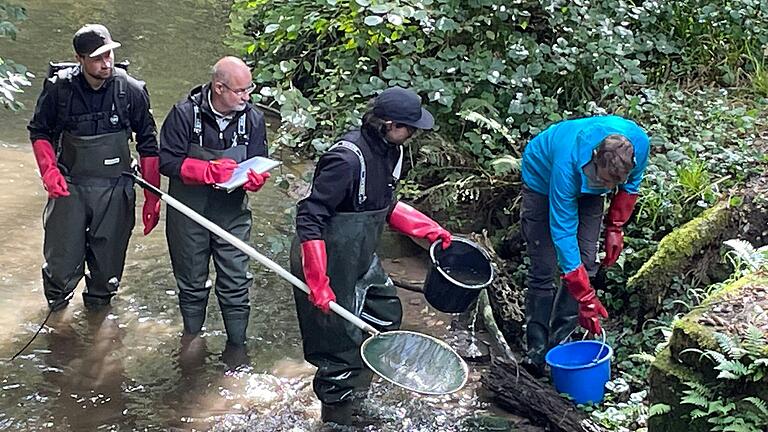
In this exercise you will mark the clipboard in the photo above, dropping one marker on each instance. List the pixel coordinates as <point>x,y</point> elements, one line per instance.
<point>240,175</point>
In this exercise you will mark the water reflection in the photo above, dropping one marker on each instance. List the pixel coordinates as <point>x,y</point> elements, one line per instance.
<point>84,370</point>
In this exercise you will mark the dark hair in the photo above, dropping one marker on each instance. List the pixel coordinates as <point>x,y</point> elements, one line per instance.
<point>615,156</point>
<point>374,124</point>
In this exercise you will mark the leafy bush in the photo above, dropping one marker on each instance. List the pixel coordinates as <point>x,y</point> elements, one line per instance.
<point>13,76</point>
<point>495,74</point>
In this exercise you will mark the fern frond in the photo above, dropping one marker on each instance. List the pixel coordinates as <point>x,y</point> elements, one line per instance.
<point>727,345</point>
<point>659,409</point>
<point>643,357</point>
<point>698,388</point>
<point>755,341</point>
<point>732,369</point>
<point>693,398</point>
<point>761,405</point>
<point>746,253</point>
<point>697,413</point>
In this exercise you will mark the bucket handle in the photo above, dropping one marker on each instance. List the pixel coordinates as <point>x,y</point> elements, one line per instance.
<point>602,343</point>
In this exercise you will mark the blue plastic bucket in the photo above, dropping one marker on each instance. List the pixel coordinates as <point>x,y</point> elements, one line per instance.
<point>577,372</point>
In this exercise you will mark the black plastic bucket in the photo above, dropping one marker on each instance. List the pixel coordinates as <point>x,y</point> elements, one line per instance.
<point>457,275</point>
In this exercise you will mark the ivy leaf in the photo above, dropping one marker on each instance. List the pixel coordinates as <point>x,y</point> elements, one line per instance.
<point>395,19</point>
<point>381,8</point>
<point>373,20</point>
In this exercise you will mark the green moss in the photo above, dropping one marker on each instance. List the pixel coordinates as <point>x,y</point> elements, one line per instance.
<point>666,378</point>
<point>688,332</point>
<point>675,251</point>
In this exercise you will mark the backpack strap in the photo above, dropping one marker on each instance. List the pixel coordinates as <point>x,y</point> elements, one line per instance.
<point>62,82</point>
<point>349,145</point>
<point>242,134</point>
<point>120,97</point>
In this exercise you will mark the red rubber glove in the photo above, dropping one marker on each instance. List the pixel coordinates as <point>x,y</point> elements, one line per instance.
<point>198,171</point>
<point>150,213</point>
<point>255,181</point>
<point>53,181</point>
<point>618,214</point>
<point>590,308</point>
<point>414,223</point>
<point>315,262</point>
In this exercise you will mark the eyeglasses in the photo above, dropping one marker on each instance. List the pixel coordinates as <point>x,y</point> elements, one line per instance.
<point>240,92</point>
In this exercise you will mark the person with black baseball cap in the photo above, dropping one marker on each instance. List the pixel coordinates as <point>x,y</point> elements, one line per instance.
<point>338,227</point>
<point>80,130</point>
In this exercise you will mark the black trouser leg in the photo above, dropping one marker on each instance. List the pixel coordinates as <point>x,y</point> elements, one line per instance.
<point>566,309</point>
<point>534,220</point>
<point>111,223</point>
<point>189,247</point>
<point>64,221</point>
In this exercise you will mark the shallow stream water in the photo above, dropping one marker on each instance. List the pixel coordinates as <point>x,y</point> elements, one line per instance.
<point>127,368</point>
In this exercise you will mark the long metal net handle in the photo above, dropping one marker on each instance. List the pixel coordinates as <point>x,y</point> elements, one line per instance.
<point>250,251</point>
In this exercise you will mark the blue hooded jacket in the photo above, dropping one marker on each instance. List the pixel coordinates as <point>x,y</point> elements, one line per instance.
<point>553,164</point>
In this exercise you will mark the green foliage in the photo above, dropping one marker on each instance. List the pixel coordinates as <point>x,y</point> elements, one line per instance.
<point>495,74</point>
<point>621,410</point>
<point>740,361</point>
<point>745,258</point>
<point>13,76</point>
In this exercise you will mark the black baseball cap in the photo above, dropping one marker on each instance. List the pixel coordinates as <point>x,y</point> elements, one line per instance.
<point>402,106</point>
<point>93,40</point>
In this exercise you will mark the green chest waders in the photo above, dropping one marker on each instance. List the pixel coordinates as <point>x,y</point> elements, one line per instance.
<point>360,285</point>
<point>93,224</point>
<point>192,246</point>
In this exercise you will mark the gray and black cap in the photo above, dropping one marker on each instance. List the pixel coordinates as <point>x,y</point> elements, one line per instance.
<point>93,40</point>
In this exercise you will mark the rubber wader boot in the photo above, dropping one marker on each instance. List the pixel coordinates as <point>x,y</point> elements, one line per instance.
<point>565,315</point>
<point>236,328</point>
<point>193,324</point>
<point>235,355</point>
<point>346,413</point>
<point>192,354</point>
<point>538,309</point>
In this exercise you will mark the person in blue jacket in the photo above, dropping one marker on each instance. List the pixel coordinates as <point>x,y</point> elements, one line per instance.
<point>567,170</point>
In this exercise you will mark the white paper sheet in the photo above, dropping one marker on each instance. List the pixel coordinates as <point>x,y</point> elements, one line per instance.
<point>240,176</point>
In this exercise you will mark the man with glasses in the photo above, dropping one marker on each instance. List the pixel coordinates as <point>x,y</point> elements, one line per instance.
<point>202,140</point>
<point>80,132</point>
<point>338,227</point>
<point>566,171</point>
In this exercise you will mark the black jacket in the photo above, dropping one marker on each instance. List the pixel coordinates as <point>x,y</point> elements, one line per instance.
<point>83,101</point>
<point>177,132</point>
<point>335,184</point>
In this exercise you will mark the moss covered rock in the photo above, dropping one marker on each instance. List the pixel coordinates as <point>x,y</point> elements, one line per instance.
<point>681,361</point>
<point>677,254</point>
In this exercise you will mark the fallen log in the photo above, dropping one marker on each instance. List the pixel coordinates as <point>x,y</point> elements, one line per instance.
<point>517,391</point>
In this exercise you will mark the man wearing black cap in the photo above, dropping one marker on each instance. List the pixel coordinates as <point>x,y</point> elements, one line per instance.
<point>338,228</point>
<point>83,120</point>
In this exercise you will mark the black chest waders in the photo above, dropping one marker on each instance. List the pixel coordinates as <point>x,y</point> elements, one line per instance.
<point>93,224</point>
<point>361,286</point>
<point>192,246</point>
